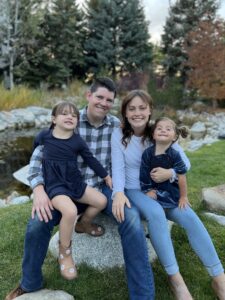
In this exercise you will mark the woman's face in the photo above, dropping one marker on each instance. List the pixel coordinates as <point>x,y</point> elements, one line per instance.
<point>137,114</point>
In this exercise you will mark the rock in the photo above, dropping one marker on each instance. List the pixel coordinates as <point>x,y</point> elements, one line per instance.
<point>219,219</point>
<point>101,252</point>
<point>2,203</point>
<point>198,130</point>
<point>21,175</point>
<point>221,136</point>
<point>214,197</point>
<point>46,295</point>
<point>19,200</point>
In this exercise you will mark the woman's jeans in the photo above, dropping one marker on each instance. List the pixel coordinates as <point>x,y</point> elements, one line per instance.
<point>138,269</point>
<point>197,234</point>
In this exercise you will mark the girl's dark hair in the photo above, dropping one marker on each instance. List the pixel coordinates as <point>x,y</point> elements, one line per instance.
<point>182,131</point>
<point>60,107</point>
<point>126,128</point>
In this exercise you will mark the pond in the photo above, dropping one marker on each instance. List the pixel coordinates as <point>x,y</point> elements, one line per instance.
<point>15,152</point>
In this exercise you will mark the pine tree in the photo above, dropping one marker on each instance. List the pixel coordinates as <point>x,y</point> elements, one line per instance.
<point>57,54</point>
<point>184,16</point>
<point>117,37</point>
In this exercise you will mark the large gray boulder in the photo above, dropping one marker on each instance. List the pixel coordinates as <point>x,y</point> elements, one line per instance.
<point>46,295</point>
<point>214,197</point>
<point>100,252</point>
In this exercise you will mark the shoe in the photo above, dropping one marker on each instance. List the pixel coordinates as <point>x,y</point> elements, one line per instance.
<point>18,291</point>
<point>91,229</point>
<point>67,267</point>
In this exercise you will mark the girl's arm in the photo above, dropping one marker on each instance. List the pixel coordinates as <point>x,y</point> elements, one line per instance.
<point>118,176</point>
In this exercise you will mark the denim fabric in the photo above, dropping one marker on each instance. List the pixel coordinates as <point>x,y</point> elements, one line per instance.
<point>159,234</point>
<point>138,269</point>
<point>198,236</point>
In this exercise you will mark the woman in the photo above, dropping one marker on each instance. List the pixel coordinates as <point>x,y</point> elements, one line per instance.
<point>128,145</point>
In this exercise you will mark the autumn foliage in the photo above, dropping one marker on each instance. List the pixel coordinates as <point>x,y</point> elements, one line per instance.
<point>205,49</point>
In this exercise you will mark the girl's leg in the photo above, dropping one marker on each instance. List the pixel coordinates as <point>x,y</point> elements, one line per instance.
<point>154,214</point>
<point>69,215</point>
<point>96,201</point>
<point>202,244</point>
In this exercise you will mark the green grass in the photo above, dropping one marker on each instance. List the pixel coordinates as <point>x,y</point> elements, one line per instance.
<point>207,170</point>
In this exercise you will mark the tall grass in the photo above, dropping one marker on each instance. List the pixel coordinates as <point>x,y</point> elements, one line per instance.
<point>22,96</point>
<point>207,170</point>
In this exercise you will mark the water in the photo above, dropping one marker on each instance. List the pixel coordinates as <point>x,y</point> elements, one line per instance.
<point>15,152</point>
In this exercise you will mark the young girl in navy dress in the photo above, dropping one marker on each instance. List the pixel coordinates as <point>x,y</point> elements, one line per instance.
<point>63,181</point>
<point>161,154</point>
<point>173,197</point>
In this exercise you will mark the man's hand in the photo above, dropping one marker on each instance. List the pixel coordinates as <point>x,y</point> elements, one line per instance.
<point>41,204</point>
<point>160,174</point>
<point>119,201</point>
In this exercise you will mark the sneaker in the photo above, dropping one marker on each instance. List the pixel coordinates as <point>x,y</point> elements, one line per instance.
<point>18,291</point>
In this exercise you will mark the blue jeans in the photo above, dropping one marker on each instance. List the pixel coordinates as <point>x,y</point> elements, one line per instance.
<point>138,269</point>
<point>197,234</point>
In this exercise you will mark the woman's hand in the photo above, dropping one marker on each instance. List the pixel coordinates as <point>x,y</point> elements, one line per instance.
<point>41,204</point>
<point>119,201</point>
<point>160,174</point>
<point>108,181</point>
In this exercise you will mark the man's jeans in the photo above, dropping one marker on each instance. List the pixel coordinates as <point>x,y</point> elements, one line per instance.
<point>138,269</point>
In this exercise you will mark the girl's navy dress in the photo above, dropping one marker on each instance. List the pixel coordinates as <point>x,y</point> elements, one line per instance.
<point>59,165</point>
<point>167,192</point>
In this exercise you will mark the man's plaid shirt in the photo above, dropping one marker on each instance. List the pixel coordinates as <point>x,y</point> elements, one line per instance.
<point>98,140</point>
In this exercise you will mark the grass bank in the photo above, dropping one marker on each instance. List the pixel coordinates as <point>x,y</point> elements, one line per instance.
<point>207,170</point>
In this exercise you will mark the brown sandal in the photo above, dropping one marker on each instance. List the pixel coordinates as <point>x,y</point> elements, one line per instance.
<point>67,267</point>
<point>91,229</point>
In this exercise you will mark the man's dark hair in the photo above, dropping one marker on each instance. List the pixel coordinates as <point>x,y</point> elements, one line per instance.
<point>103,82</point>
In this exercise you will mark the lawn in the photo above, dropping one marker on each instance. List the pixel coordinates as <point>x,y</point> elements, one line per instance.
<point>208,165</point>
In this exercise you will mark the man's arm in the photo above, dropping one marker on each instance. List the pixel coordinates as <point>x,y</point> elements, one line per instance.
<point>42,205</point>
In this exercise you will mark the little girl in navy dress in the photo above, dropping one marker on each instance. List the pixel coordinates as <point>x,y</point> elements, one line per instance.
<point>63,181</point>
<point>172,196</point>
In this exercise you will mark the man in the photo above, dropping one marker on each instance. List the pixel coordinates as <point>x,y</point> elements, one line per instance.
<point>95,127</point>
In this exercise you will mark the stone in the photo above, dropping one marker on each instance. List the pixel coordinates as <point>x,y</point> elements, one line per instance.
<point>21,175</point>
<point>19,200</point>
<point>198,130</point>
<point>219,219</point>
<point>46,295</point>
<point>214,197</point>
<point>100,252</point>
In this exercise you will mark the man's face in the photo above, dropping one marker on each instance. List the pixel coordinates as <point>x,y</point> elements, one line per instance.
<point>99,103</point>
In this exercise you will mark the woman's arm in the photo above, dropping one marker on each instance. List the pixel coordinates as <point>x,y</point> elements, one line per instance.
<point>118,176</point>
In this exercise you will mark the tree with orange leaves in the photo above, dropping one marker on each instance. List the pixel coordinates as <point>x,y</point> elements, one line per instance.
<point>205,48</point>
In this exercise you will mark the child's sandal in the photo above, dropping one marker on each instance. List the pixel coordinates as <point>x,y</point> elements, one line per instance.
<point>67,267</point>
<point>91,229</point>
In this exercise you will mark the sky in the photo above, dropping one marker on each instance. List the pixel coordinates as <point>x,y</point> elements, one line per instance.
<point>157,11</point>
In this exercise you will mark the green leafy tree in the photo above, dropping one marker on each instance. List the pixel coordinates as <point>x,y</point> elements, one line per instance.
<point>117,37</point>
<point>184,16</point>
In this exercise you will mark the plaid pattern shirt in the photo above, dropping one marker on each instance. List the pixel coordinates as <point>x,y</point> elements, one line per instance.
<point>98,140</point>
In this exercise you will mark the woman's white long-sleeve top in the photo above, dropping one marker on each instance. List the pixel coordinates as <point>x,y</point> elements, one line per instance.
<point>126,161</point>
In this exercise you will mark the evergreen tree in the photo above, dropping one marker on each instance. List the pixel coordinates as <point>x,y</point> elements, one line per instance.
<point>117,37</point>
<point>184,16</point>
<point>57,53</point>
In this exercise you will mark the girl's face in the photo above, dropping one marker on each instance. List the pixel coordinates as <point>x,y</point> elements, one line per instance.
<point>137,114</point>
<point>164,132</point>
<point>65,120</point>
